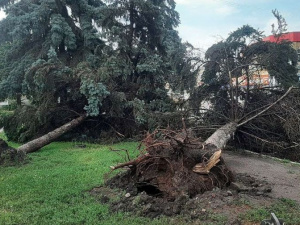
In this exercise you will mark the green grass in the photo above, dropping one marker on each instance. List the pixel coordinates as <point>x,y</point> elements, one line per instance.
<point>53,187</point>
<point>286,209</point>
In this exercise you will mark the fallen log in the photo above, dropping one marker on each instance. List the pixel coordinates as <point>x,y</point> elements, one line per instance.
<point>36,144</point>
<point>8,154</point>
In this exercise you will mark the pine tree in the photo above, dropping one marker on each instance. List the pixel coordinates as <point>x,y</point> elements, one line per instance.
<point>142,57</point>
<point>230,67</point>
<point>237,59</point>
<point>49,40</point>
<point>111,60</point>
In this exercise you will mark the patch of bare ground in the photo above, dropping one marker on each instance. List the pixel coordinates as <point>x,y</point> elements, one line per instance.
<point>219,206</point>
<point>258,183</point>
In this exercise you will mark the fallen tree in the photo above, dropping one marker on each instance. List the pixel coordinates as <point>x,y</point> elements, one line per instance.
<point>177,163</point>
<point>46,139</point>
<point>173,163</point>
<point>11,154</point>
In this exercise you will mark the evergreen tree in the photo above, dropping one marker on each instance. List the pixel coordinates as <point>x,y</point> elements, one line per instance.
<point>232,86</point>
<point>238,59</point>
<point>110,59</point>
<point>142,57</point>
<point>48,40</point>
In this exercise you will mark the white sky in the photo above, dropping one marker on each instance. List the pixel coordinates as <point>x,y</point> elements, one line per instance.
<point>204,22</point>
<point>2,14</point>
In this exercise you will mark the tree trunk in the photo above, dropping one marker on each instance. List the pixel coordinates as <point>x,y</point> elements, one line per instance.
<point>221,136</point>
<point>46,139</point>
<point>19,99</point>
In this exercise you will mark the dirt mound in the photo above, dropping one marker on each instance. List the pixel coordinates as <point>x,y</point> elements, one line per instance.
<point>123,195</point>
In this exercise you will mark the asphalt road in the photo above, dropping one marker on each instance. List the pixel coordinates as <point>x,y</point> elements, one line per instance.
<point>283,177</point>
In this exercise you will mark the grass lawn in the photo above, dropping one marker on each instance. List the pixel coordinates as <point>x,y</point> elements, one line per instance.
<point>53,188</point>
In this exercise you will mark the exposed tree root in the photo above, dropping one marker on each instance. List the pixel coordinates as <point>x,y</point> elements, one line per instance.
<point>174,164</point>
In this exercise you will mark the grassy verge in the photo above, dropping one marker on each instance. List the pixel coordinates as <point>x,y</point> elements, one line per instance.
<point>285,209</point>
<point>53,187</point>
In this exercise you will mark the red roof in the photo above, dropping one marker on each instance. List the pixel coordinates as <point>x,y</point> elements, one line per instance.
<point>291,36</point>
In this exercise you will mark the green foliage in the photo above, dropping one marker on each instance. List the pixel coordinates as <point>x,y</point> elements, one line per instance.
<point>21,126</point>
<point>38,45</point>
<point>109,60</point>
<point>241,56</point>
<point>142,58</point>
<point>61,32</point>
<point>282,63</point>
<point>12,105</point>
<point>4,115</point>
<point>29,122</point>
<point>95,92</point>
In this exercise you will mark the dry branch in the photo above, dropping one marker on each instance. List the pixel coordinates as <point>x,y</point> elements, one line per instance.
<point>132,162</point>
<point>267,108</point>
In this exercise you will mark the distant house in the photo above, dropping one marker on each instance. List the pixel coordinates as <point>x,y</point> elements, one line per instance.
<point>262,78</point>
<point>293,37</point>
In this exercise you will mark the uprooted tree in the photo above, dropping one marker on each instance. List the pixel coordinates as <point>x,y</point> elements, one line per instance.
<point>178,163</point>
<point>71,69</point>
<point>12,155</point>
<point>235,86</point>
<point>109,60</point>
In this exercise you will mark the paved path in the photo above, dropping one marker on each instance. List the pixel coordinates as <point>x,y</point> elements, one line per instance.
<point>284,177</point>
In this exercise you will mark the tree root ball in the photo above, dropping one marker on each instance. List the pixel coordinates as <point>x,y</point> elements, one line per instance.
<point>165,169</point>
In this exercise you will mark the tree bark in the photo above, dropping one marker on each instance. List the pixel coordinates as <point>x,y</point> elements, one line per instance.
<point>46,139</point>
<point>221,136</point>
<point>19,99</point>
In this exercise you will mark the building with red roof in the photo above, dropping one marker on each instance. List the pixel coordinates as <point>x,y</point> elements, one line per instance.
<point>294,37</point>
<point>291,36</point>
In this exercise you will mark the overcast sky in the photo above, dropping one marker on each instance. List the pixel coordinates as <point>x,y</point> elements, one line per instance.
<point>204,22</point>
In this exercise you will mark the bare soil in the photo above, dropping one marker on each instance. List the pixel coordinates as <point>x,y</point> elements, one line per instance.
<point>259,182</point>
